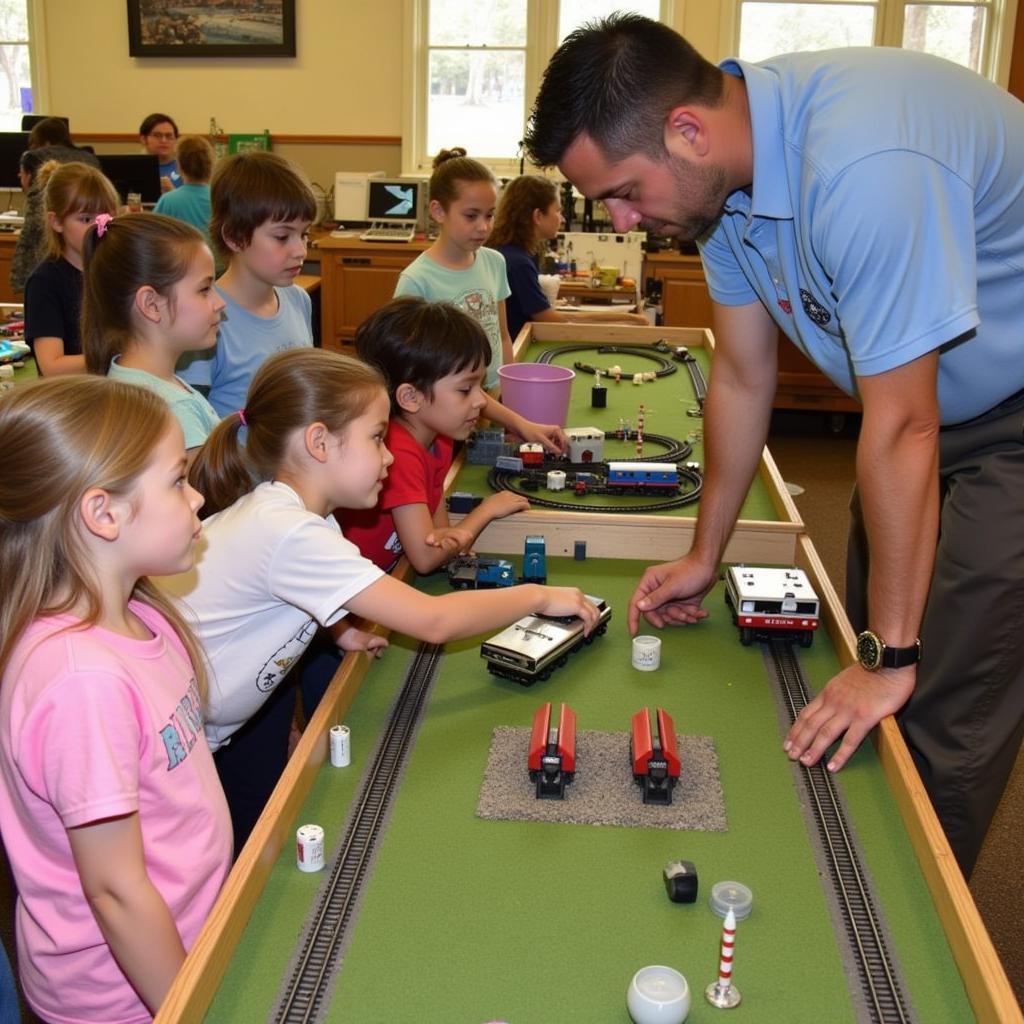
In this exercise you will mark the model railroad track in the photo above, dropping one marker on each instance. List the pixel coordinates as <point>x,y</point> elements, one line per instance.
<point>883,998</point>
<point>697,378</point>
<point>307,989</point>
<point>665,366</point>
<point>512,480</point>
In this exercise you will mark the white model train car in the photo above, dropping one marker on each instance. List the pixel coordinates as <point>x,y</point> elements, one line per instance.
<point>536,645</point>
<point>769,602</point>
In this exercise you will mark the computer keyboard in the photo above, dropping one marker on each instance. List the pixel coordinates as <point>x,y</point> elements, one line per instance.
<point>388,234</point>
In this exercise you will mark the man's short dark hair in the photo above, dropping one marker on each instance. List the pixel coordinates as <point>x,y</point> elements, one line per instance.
<point>616,80</point>
<point>153,120</point>
<point>412,341</point>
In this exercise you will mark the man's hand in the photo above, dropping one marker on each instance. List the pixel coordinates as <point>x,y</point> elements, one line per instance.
<point>852,703</point>
<point>671,594</point>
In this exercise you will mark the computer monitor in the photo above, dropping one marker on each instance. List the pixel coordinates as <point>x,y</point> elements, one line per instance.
<point>29,121</point>
<point>392,201</point>
<point>131,172</point>
<point>12,145</point>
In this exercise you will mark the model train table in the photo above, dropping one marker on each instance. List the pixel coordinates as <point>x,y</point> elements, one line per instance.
<point>465,917</point>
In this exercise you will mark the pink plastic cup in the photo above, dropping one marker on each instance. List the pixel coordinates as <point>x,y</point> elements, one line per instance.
<point>537,391</point>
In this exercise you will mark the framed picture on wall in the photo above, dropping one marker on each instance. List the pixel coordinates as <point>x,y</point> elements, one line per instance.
<point>190,28</point>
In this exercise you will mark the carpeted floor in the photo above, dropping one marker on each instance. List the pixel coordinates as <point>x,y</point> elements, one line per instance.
<point>820,461</point>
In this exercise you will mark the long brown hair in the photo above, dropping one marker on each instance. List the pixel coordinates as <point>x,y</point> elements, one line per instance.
<point>291,390</point>
<point>72,188</point>
<point>134,250</point>
<point>513,223</point>
<point>65,435</point>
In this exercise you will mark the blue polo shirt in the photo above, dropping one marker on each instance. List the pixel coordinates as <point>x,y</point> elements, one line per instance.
<point>885,219</point>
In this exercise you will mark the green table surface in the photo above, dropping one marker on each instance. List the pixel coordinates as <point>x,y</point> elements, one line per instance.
<point>470,920</point>
<point>666,402</point>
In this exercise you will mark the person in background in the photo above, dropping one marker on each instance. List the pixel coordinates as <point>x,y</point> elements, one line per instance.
<point>48,140</point>
<point>114,822</point>
<point>74,195</point>
<point>273,563</point>
<point>434,358</point>
<point>158,134</point>
<point>191,202</point>
<point>869,202</point>
<point>261,210</point>
<point>149,297</point>
<point>529,216</point>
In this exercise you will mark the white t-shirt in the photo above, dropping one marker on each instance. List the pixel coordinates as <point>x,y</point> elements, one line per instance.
<point>267,571</point>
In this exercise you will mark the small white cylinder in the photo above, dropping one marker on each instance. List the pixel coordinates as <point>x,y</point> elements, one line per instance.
<point>341,748</point>
<point>556,480</point>
<point>638,378</point>
<point>309,848</point>
<point>646,653</point>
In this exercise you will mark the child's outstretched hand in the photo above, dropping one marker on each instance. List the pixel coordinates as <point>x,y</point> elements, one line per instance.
<point>550,435</point>
<point>452,539</point>
<point>355,639</point>
<point>570,601</point>
<point>504,503</point>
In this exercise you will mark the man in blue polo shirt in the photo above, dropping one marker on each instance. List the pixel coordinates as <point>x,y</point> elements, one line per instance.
<point>870,204</point>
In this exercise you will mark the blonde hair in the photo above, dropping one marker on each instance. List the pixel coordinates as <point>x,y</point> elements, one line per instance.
<point>72,188</point>
<point>66,435</point>
<point>513,223</point>
<point>135,250</point>
<point>291,390</point>
<point>452,166</point>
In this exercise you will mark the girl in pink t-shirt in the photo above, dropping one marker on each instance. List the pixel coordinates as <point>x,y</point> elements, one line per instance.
<point>114,821</point>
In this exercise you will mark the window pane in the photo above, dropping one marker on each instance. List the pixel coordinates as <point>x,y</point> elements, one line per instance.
<point>15,85</point>
<point>573,13</point>
<point>481,23</point>
<point>955,33</point>
<point>14,21</point>
<point>770,29</point>
<point>476,101</point>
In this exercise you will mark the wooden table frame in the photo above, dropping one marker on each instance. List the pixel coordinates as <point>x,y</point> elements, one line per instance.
<point>780,543</point>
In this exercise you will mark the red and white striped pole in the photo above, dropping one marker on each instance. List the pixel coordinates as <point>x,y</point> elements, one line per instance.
<point>723,993</point>
<point>640,432</point>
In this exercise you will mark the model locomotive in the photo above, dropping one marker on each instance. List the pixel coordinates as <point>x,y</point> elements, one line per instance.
<point>769,602</point>
<point>536,645</point>
<point>552,758</point>
<point>654,756</point>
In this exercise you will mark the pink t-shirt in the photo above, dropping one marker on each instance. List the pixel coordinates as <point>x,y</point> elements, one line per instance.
<point>96,725</point>
<point>416,477</point>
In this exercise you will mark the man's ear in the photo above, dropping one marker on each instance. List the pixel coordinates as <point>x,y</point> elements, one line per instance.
<point>686,127</point>
<point>315,438</point>
<point>408,398</point>
<point>101,514</point>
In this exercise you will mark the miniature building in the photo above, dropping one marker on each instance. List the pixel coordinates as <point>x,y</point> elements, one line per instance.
<point>586,444</point>
<point>484,446</point>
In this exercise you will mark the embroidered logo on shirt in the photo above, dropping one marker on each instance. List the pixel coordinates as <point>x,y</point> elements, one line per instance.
<point>815,311</point>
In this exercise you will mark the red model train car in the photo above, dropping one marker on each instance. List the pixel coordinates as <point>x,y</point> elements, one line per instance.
<point>655,757</point>
<point>552,758</point>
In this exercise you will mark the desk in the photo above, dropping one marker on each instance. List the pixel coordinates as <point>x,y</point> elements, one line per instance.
<point>358,278</point>
<point>466,919</point>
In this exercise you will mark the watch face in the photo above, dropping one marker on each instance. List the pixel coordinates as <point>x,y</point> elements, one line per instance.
<point>869,650</point>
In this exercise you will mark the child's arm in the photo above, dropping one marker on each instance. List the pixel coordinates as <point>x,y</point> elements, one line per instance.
<point>429,544</point>
<point>548,434</point>
<point>506,340</point>
<point>584,316</point>
<point>349,637</point>
<point>464,613</point>
<point>455,540</point>
<point>131,913</point>
<point>49,353</point>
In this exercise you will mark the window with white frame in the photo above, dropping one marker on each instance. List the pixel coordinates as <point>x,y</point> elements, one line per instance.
<point>479,67</point>
<point>15,64</point>
<point>960,32</point>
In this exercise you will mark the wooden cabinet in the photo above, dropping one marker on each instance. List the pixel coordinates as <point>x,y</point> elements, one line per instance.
<point>357,278</point>
<point>686,303</point>
<point>8,240</point>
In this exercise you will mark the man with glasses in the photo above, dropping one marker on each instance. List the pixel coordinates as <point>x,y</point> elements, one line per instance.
<point>159,135</point>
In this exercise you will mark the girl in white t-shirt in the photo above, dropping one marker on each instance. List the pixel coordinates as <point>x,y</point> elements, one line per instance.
<point>272,563</point>
<point>107,786</point>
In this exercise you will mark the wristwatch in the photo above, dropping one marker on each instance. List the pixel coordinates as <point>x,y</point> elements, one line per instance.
<point>873,653</point>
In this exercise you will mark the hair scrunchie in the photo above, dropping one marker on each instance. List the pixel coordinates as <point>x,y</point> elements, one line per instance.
<point>102,220</point>
<point>241,418</point>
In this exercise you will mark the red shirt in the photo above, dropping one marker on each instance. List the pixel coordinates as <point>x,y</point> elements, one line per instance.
<point>416,477</point>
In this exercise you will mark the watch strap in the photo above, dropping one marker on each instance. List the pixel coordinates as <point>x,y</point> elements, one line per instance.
<point>900,657</point>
